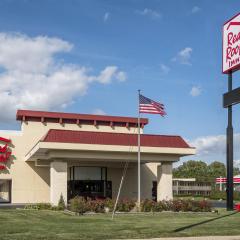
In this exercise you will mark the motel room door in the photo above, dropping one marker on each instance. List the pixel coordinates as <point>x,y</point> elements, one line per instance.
<point>5,190</point>
<point>89,182</point>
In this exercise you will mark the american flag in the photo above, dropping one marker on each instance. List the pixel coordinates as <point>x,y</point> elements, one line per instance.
<point>146,105</point>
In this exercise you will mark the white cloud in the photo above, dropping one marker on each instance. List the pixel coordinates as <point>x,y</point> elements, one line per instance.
<point>121,76</point>
<point>109,73</point>
<point>32,77</point>
<point>237,163</point>
<point>164,69</point>
<point>184,56</point>
<point>99,111</point>
<point>195,91</point>
<point>208,145</point>
<point>213,145</point>
<point>32,55</point>
<point>106,16</point>
<point>149,12</point>
<point>195,9</point>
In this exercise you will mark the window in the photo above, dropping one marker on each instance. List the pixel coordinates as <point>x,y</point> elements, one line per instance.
<point>88,173</point>
<point>5,191</point>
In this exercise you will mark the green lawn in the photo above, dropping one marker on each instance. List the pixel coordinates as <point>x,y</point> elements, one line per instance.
<point>32,224</point>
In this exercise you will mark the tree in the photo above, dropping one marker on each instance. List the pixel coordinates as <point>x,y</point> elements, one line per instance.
<point>192,169</point>
<point>216,169</point>
<point>201,171</point>
<point>61,203</point>
<point>236,171</point>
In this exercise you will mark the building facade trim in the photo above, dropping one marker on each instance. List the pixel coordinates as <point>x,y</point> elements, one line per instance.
<point>59,117</point>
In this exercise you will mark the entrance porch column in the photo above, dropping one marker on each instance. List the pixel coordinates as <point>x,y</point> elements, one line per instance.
<point>164,181</point>
<point>58,181</point>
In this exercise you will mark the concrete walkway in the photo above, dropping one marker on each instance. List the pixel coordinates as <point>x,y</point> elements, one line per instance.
<point>196,238</point>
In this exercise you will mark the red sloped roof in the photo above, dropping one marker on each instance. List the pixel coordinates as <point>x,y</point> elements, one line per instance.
<point>107,138</point>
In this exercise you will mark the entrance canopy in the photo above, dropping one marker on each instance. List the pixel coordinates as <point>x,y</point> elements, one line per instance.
<point>92,146</point>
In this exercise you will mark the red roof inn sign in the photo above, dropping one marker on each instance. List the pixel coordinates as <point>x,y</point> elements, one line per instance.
<point>231,45</point>
<point>230,64</point>
<point>5,152</point>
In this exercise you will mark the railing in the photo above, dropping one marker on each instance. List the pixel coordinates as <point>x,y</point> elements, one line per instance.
<point>192,188</point>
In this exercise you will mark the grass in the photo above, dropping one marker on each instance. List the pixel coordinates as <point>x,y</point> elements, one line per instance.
<point>32,224</point>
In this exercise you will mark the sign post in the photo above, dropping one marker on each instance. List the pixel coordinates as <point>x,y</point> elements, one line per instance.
<point>230,151</point>
<point>230,63</point>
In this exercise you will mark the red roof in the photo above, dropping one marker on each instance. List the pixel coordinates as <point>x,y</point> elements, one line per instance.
<point>107,138</point>
<point>40,116</point>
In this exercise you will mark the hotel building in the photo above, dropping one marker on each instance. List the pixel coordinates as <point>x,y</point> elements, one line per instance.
<point>79,154</point>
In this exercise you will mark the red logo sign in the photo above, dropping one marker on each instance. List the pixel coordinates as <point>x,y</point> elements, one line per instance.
<point>5,152</point>
<point>231,45</point>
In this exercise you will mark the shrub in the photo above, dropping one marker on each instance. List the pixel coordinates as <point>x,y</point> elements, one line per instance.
<point>125,205</point>
<point>79,205</point>
<point>97,206</point>
<point>187,206</point>
<point>175,206</point>
<point>82,205</point>
<point>55,208</point>
<point>44,206</point>
<point>216,195</point>
<point>236,195</point>
<point>148,206</point>
<point>205,206</point>
<point>61,203</point>
<point>165,205</point>
<point>31,207</point>
<point>109,203</point>
<point>39,206</point>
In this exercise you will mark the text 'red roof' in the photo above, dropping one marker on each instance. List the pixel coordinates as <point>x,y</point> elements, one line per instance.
<point>107,138</point>
<point>41,116</point>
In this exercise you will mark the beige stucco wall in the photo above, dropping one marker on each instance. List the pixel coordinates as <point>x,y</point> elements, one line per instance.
<point>164,181</point>
<point>129,188</point>
<point>29,183</point>
<point>58,181</point>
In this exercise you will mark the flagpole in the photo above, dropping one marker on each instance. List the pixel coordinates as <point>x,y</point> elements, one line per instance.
<point>139,156</point>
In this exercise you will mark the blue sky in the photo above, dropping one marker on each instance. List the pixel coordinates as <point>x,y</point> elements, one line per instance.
<point>171,50</point>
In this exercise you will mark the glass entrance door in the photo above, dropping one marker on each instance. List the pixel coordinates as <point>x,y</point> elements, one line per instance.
<point>89,188</point>
<point>89,182</point>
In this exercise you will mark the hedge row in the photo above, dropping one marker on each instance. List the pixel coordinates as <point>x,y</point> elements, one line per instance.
<point>42,206</point>
<point>47,206</point>
<point>216,195</point>
<point>176,206</point>
<point>81,205</point>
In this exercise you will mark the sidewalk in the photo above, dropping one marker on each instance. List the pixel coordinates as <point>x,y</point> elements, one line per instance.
<point>197,238</point>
